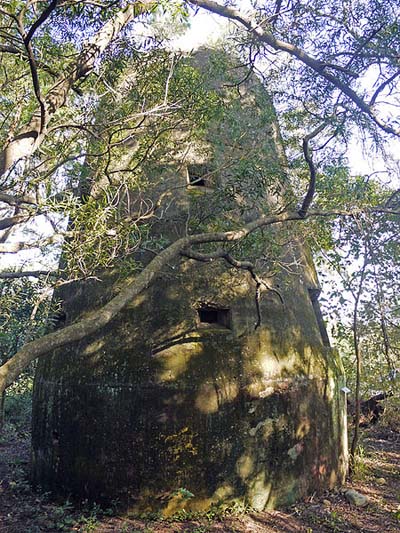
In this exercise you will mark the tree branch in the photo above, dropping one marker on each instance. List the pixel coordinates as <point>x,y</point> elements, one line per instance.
<point>17,200</point>
<point>99,318</point>
<point>9,222</point>
<point>265,36</point>
<point>32,134</point>
<point>313,174</point>
<point>277,10</point>
<point>36,83</point>
<point>382,86</point>
<point>244,265</point>
<point>10,49</point>
<point>27,273</point>
<point>43,17</point>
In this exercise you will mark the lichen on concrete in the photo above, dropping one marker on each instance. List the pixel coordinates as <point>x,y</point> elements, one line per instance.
<point>159,403</point>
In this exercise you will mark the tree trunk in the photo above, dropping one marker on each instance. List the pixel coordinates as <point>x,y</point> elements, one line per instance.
<point>358,354</point>
<point>356,434</point>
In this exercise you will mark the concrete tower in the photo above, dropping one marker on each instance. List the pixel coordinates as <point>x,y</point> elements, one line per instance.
<point>202,392</point>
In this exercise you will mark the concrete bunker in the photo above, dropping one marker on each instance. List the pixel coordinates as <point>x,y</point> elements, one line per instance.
<point>181,402</point>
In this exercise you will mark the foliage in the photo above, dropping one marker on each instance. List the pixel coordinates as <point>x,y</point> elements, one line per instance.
<point>362,465</point>
<point>18,403</point>
<point>363,265</point>
<point>391,415</point>
<point>25,307</point>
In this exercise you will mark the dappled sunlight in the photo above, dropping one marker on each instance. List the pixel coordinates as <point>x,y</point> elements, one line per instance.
<point>223,492</point>
<point>210,397</point>
<point>270,366</point>
<point>175,503</point>
<point>333,479</point>
<point>137,301</point>
<point>259,491</point>
<point>303,428</point>
<point>93,347</point>
<point>173,361</point>
<point>207,399</point>
<point>202,390</point>
<point>244,466</point>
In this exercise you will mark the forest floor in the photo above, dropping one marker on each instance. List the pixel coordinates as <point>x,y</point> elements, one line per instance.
<point>377,477</point>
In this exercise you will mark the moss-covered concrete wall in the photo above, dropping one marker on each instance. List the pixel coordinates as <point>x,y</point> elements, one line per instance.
<point>162,410</point>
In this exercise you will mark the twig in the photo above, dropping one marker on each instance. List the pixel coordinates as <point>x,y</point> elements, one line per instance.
<point>244,265</point>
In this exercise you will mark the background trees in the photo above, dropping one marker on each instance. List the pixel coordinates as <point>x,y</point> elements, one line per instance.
<point>88,96</point>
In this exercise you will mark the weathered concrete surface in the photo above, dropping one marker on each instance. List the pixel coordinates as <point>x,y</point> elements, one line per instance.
<point>162,411</point>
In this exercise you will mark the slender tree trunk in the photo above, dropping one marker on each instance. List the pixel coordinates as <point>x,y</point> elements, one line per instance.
<point>356,434</point>
<point>358,354</point>
<point>383,323</point>
<point>2,405</point>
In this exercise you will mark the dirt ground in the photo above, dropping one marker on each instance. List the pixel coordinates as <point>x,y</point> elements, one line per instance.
<point>378,478</point>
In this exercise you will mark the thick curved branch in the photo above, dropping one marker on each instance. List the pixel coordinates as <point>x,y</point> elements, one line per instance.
<point>320,67</point>
<point>99,318</point>
<point>36,83</point>
<point>313,173</point>
<point>27,37</point>
<point>39,21</point>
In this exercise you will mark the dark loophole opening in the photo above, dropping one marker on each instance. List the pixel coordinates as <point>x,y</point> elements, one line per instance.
<point>215,316</point>
<point>198,175</point>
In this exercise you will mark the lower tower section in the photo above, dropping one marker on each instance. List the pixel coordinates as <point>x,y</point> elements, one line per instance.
<point>183,402</point>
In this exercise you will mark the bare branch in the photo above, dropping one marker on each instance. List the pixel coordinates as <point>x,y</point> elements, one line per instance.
<point>27,274</point>
<point>313,174</point>
<point>277,10</point>
<point>382,86</point>
<point>16,200</point>
<point>9,222</point>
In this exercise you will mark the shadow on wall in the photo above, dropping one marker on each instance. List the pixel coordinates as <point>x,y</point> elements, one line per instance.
<point>162,412</point>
